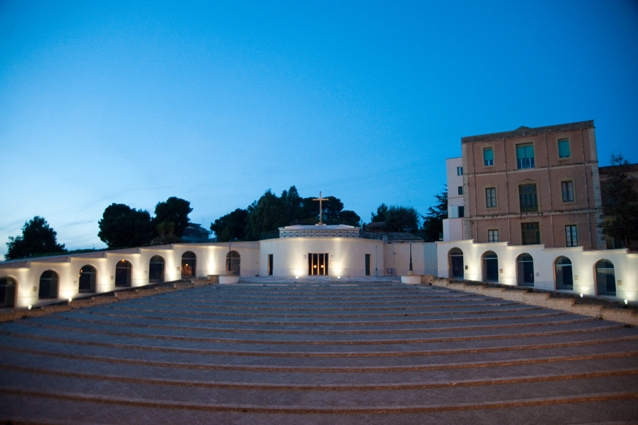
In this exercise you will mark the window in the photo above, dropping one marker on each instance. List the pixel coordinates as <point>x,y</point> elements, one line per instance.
<point>563,148</point>
<point>460,190</point>
<point>492,235</point>
<point>461,211</point>
<point>571,235</point>
<point>531,233</point>
<point>459,171</point>
<point>488,157</point>
<point>490,197</point>
<point>568,191</point>
<point>528,198</point>
<point>525,156</point>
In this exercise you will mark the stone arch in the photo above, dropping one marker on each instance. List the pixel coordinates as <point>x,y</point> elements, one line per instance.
<point>455,263</point>
<point>605,278</point>
<point>87,279</point>
<point>189,264</point>
<point>49,281</point>
<point>490,266</point>
<point>233,262</point>
<point>524,270</point>
<point>156,269</point>
<point>8,287</point>
<point>123,272</point>
<point>563,274</point>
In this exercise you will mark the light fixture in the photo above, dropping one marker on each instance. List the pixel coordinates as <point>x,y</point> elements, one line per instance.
<point>626,302</point>
<point>29,306</point>
<point>581,295</point>
<point>70,299</point>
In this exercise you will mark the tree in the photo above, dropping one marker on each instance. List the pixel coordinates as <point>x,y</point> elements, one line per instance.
<point>232,226</point>
<point>402,219</point>
<point>620,220</point>
<point>382,211</point>
<point>174,210</point>
<point>37,239</point>
<point>123,227</point>
<point>433,220</point>
<point>165,234</point>
<point>350,218</point>
<point>265,215</point>
<point>293,204</point>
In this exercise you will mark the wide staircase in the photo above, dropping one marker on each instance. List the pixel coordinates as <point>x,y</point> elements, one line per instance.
<point>317,350</point>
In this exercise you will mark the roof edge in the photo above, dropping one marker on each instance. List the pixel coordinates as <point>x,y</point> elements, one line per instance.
<point>525,131</point>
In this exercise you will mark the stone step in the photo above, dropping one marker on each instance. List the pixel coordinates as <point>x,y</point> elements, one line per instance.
<point>396,337</point>
<point>330,349</point>
<point>405,361</point>
<point>560,368</point>
<point>68,410</point>
<point>617,385</point>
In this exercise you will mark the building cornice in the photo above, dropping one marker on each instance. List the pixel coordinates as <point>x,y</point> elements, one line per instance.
<point>526,132</point>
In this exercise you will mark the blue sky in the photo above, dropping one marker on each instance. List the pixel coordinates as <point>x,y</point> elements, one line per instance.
<point>216,102</point>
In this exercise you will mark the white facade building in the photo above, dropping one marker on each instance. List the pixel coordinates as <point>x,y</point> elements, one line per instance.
<point>453,225</point>
<point>331,251</point>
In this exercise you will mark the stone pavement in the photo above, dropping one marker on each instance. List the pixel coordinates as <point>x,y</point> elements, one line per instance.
<point>317,351</point>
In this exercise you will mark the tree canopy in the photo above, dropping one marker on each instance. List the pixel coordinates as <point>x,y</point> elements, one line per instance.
<point>620,220</point>
<point>174,210</point>
<point>123,227</point>
<point>433,219</point>
<point>37,239</point>
<point>232,226</point>
<point>270,212</point>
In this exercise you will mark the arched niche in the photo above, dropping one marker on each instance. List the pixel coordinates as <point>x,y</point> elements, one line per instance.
<point>48,289</point>
<point>525,270</point>
<point>605,278</point>
<point>123,272</point>
<point>233,262</point>
<point>490,266</point>
<point>189,264</point>
<point>8,287</point>
<point>87,279</point>
<point>156,269</point>
<point>563,273</point>
<point>455,263</point>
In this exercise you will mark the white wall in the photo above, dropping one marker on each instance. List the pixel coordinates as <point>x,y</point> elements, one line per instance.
<point>211,260</point>
<point>583,265</point>
<point>347,256</point>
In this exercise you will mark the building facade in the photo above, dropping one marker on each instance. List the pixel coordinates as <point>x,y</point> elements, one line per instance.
<point>453,225</point>
<point>533,186</point>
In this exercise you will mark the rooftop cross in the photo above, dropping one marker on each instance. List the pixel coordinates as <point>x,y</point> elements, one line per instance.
<point>320,199</point>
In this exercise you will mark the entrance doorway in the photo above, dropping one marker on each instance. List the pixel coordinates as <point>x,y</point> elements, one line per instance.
<point>87,279</point>
<point>270,264</point>
<point>233,260</point>
<point>123,274</point>
<point>525,270</point>
<point>455,261</point>
<point>368,261</point>
<point>318,264</point>
<point>605,278</point>
<point>490,267</point>
<point>156,269</point>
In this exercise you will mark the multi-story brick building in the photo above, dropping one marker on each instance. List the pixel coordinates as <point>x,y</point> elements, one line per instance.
<point>533,186</point>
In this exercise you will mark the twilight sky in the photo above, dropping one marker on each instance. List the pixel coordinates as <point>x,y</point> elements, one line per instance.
<point>216,102</point>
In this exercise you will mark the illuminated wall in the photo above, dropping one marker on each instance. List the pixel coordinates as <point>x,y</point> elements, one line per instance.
<point>583,265</point>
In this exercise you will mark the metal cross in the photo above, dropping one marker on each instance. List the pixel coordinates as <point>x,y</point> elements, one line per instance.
<point>320,199</point>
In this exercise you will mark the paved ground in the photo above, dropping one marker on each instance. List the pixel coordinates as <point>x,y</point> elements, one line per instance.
<point>322,351</point>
